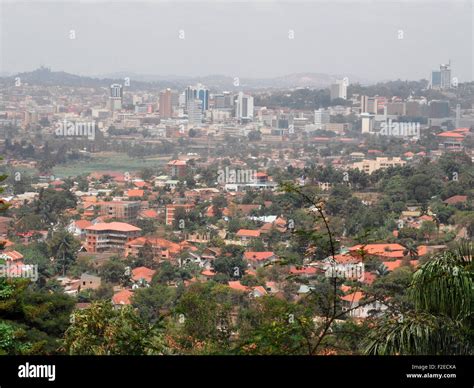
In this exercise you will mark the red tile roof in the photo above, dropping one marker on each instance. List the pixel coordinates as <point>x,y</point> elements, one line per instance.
<point>385,250</point>
<point>354,297</point>
<point>172,247</point>
<point>248,233</point>
<point>122,297</point>
<point>391,265</point>
<point>135,193</point>
<point>82,224</point>
<point>143,273</point>
<point>451,134</point>
<point>177,163</point>
<point>260,289</point>
<point>258,256</point>
<point>455,199</point>
<point>236,285</point>
<point>114,226</point>
<point>150,213</point>
<point>302,271</point>
<point>12,255</point>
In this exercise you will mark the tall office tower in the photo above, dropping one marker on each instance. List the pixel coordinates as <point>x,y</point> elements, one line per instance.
<point>445,71</point>
<point>194,108</point>
<point>174,99</point>
<point>223,101</point>
<point>219,101</point>
<point>439,109</point>
<point>339,90</point>
<point>458,116</point>
<point>367,122</point>
<point>200,92</point>
<point>244,107</point>
<point>203,94</point>
<point>435,79</point>
<point>441,79</point>
<point>166,108</point>
<point>116,97</point>
<point>321,118</point>
<point>368,104</point>
<point>189,94</point>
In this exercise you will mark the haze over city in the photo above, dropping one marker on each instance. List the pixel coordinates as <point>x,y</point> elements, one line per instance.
<point>371,41</point>
<point>236,178</point>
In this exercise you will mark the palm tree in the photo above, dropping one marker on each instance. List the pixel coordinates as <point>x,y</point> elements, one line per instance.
<point>441,322</point>
<point>382,270</point>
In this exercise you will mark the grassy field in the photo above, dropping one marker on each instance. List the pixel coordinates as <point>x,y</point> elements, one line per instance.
<point>109,162</point>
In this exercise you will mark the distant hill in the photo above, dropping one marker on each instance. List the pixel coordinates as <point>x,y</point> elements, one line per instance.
<point>44,76</point>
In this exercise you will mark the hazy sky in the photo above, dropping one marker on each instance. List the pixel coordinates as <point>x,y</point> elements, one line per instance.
<point>245,39</point>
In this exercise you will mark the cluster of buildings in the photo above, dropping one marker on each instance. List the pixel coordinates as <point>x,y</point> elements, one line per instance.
<point>111,215</point>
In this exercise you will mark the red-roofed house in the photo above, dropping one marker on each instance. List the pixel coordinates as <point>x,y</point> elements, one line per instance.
<point>162,248</point>
<point>78,227</point>
<point>236,285</point>
<point>142,274</point>
<point>12,257</point>
<point>246,235</point>
<point>122,298</point>
<point>135,193</point>
<point>455,199</point>
<point>303,271</point>
<point>382,251</point>
<point>259,259</point>
<point>358,308</point>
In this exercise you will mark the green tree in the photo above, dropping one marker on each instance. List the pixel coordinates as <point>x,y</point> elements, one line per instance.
<point>103,330</point>
<point>63,247</point>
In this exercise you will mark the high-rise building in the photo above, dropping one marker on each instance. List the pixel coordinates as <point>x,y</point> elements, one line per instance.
<point>203,94</point>
<point>194,109</point>
<point>439,109</point>
<point>244,107</point>
<point>368,104</point>
<point>189,94</point>
<point>116,97</point>
<point>367,122</point>
<point>199,92</point>
<point>339,90</point>
<point>413,108</point>
<point>166,108</point>
<point>223,101</point>
<point>321,118</point>
<point>110,237</point>
<point>458,116</point>
<point>396,108</point>
<point>441,79</point>
<point>435,79</point>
